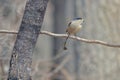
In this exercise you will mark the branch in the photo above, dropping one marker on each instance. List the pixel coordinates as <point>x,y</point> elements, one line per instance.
<point>72,37</point>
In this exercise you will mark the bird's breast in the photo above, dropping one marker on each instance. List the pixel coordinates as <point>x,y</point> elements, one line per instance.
<point>73,28</point>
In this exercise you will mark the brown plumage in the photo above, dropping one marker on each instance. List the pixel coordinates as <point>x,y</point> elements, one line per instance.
<point>73,27</point>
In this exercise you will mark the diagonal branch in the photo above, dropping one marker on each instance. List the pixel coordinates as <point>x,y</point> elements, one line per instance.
<point>81,39</point>
<point>72,37</point>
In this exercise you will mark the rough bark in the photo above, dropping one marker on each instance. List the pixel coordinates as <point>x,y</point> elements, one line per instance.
<point>21,59</point>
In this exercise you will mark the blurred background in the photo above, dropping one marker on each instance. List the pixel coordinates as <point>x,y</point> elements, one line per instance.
<point>82,61</point>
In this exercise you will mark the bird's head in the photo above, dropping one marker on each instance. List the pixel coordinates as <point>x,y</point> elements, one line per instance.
<point>78,20</point>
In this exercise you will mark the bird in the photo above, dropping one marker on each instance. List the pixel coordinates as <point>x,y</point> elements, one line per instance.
<point>73,28</point>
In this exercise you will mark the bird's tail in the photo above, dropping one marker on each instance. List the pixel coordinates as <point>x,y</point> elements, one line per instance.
<point>65,48</point>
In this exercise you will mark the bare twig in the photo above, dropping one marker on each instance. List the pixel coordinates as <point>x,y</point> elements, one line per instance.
<point>8,32</point>
<point>59,67</point>
<point>72,37</point>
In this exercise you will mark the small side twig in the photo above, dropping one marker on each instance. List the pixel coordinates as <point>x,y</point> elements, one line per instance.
<point>72,37</point>
<point>59,67</point>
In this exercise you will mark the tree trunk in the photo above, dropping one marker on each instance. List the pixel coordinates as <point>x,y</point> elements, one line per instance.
<point>21,59</point>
